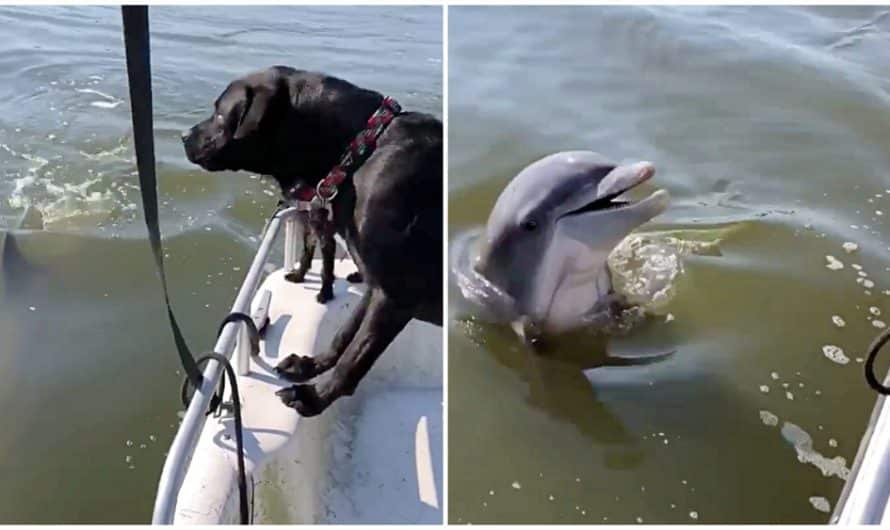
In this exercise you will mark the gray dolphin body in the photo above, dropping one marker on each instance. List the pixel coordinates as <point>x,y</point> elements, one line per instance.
<point>541,261</point>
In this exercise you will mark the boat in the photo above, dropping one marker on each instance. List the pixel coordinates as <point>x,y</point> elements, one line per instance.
<point>374,457</point>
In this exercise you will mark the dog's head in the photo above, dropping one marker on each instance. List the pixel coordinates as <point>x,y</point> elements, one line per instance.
<point>280,122</point>
<point>241,127</point>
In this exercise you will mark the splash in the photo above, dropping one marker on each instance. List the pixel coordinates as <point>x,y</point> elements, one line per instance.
<point>646,266</point>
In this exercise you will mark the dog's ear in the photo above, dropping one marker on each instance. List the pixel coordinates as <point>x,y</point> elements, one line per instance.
<point>258,100</point>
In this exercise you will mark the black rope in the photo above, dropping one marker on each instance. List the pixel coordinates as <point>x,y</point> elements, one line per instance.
<point>136,39</point>
<point>252,331</point>
<point>873,350</point>
<point>239,428</point>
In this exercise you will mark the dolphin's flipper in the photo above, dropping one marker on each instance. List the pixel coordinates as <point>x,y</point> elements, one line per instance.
<point>636,360</point>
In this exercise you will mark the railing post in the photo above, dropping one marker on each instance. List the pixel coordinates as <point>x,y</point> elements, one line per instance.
<point>242,350</point>
<point>290,243</point>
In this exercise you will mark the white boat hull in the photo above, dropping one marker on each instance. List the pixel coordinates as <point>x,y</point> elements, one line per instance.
<point>374,457</point>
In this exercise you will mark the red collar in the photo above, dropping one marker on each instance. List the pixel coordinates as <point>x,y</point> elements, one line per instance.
<point>358,150</point>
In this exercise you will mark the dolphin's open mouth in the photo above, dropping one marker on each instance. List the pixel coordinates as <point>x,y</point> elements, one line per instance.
<point>625,179</point>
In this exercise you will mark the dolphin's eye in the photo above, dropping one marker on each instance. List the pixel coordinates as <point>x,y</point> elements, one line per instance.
<point>529,225</point>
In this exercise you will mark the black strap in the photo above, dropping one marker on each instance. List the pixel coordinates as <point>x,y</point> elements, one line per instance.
<point>873,350</point>
<point>239,430</point>
<point>252,331</point>
<point>136,39</point>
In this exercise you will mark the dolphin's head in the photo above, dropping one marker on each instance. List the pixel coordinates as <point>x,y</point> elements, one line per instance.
<point>553,227</point>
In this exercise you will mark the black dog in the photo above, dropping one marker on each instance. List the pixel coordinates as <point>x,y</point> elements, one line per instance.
<point>284,122</point>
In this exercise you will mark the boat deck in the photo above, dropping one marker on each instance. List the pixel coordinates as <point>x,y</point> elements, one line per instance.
<point>374,457</point>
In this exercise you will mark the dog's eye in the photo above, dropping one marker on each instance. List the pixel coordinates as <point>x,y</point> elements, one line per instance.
<point>529,224</point>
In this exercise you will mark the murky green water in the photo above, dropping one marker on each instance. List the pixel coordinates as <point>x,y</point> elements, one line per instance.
<point>88,370</point>
<point>769,126</point>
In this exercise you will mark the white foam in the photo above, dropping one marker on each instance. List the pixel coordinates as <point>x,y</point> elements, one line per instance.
<point>821,504</point>
<point>834,263</point>
<point>768,418</point>
<point>803,445</point>
<point>835,354</point>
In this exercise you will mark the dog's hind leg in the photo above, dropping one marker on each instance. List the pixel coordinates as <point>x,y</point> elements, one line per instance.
<point>385,318</point>
<point>328,252</point>
<point>301,368</point>
<point>299,274</point>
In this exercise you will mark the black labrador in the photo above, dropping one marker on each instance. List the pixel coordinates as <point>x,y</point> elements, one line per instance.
<point>286,123</point>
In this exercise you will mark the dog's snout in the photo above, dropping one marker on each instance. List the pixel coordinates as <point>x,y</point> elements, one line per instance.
<point>184,135</point>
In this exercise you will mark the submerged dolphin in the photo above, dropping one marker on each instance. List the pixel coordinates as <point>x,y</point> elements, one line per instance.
<point>541,261</point>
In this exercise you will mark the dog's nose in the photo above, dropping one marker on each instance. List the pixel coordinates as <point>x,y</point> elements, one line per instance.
<point>185,134</point>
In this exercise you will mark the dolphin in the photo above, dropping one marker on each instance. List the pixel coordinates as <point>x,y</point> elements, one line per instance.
<point>540,263</point>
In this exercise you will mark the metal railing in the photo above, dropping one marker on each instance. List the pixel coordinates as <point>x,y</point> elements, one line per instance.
<point>232,339</point>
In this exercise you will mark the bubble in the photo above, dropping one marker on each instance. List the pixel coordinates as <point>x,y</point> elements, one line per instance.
<point>516,485</point>
<point>128,459</point>
<point>764,389</point>
<point>693,515</point>
<point>789,396</point>
<point>129,443</point>
<point>850,247</point>
<point>874,311</point>
<point>835,354</point>
<point>775,376</point>
<point>878,324</point>
<point>832,442</point>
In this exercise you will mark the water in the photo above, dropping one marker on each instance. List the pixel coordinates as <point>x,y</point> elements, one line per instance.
<point>769,128</point>
<point>88,370</point>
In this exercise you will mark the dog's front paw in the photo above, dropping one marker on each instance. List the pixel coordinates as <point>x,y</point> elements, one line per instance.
<point>302,398</point>
<point>355,277</point>
<point>296,276</point>
<point>326,293</point>
<point>297,368</point>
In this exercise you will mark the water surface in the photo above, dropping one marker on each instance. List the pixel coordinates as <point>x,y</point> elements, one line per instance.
<point>769,127</point>
<point>88,372</point>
